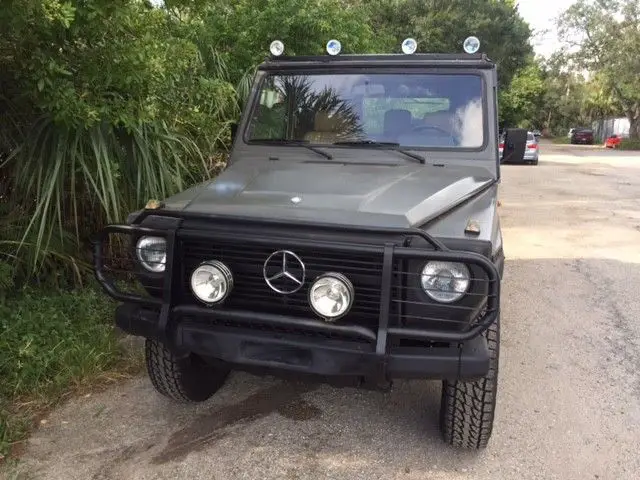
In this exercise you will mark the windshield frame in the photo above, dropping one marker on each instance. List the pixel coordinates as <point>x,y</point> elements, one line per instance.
<point>373,70</point>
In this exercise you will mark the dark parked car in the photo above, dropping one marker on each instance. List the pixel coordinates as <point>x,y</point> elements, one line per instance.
<point>354,233</point>
<point>582,135</point>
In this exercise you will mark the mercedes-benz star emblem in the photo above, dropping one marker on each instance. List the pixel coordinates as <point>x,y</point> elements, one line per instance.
<point>284,272</point>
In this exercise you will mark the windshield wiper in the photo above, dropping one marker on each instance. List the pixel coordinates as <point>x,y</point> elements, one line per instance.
<point>299,143</point>
<point>382,145</point>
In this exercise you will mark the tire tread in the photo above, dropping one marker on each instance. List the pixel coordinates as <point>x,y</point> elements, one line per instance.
<point>181,379</point>
<point>468,408</point>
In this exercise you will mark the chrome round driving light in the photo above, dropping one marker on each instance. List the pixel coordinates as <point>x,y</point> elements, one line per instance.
<point>211,282</point>
<point>276,48</point>
<point>471,44</point>
<point>409,46</point>
<point>152,253</point>
<point>333,47</point>
<point>331,296</point>
<point>445,282</point>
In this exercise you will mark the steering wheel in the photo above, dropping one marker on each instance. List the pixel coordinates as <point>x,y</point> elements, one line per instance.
<point>418,128</point>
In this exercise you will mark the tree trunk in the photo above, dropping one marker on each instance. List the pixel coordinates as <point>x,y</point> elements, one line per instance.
<point>634,128</point>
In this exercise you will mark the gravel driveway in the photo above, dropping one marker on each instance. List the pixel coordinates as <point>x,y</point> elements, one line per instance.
<point>569,394</point>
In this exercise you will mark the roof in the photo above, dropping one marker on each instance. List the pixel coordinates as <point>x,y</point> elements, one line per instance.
<point>457,60</point>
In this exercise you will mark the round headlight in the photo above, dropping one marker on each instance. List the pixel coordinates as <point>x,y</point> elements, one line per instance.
<point>211,282</point>
<point>445,282</point>
<point>331,296</point>
<point>152,253</point>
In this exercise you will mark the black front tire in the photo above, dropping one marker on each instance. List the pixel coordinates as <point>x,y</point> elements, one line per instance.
<point>183,379</point>
<point>467,409</point>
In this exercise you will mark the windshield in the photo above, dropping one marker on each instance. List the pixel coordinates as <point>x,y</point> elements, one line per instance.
<point>408,109</point>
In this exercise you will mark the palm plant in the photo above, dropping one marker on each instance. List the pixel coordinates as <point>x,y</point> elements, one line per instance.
<point>67,182</point>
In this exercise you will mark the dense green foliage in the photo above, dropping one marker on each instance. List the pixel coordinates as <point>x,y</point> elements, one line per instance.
<point>629,144</point>
<point>105,104</point>
<point>240,31</point>
<point>442,26</point>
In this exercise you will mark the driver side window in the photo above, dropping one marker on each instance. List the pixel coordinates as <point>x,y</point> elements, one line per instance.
<point>270,117</point>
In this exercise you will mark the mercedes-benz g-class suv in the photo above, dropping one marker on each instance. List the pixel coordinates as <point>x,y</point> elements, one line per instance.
<point>354,233</point>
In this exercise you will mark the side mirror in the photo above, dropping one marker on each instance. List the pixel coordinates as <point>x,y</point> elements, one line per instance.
<point>234,131</point>
<point>515,142</point>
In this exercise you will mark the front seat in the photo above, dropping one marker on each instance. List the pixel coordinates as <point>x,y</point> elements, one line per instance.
<point>442,120</point>
<point>396,123</point>
<point>325,129</point>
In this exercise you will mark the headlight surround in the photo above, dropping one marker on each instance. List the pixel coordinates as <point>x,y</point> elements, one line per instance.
<point>331,296</point>
<point>211,282</point>
<point>152,253</point>
<point>445,282</point>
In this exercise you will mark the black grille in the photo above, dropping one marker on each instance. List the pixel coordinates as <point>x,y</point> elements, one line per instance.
<point>250,291</point>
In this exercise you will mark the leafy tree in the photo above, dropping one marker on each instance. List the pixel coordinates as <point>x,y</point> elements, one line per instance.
<point>104,104</point>
<point>442,26</point>
<point>522,104</point>
<point>605,38</point>
<point>240,31</point>
<point>563,96</point>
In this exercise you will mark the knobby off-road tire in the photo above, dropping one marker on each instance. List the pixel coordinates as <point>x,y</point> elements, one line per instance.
<point>187,379</point>
<point>467,408</point>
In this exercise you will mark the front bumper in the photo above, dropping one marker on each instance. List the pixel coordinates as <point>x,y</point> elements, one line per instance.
<point>244,335</point>
<point>245,347</point>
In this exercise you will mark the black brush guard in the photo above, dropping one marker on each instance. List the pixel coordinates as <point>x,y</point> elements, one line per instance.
<point>164,314</point>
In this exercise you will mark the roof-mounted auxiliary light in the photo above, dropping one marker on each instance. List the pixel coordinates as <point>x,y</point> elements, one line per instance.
<point>333,47</point>
<point>471,44</point>
<point>409,46</point>
<point>276,48</point>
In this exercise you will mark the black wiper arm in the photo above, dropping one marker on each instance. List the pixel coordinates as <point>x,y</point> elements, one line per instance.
<point>384,146</point>
<point>300,143</point>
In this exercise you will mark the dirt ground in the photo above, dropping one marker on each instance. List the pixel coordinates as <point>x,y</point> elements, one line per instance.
<point>569,394</point>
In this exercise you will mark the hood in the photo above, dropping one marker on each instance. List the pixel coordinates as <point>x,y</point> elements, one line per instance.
<point>349,194</point>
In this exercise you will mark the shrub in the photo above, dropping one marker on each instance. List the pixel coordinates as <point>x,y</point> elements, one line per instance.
<point>629,144</point>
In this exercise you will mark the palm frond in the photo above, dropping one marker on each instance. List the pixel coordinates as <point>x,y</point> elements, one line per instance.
<point>77,179</point>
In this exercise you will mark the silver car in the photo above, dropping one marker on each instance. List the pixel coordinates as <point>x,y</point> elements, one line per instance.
<point>531,150</point>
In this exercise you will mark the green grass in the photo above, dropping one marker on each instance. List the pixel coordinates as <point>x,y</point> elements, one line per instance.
<point>52,344</point>
<point>627,144</point>
<point>560,140</point>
